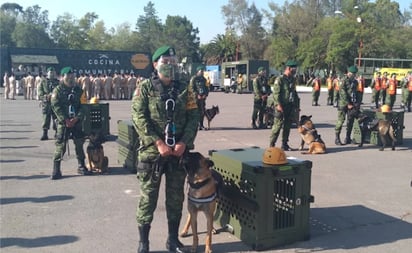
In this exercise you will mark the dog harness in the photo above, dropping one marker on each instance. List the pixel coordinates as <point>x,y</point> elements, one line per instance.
<point>314,133</point>
<point>201,200</point>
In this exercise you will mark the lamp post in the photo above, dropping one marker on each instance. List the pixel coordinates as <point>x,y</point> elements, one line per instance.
<point>359,20</point>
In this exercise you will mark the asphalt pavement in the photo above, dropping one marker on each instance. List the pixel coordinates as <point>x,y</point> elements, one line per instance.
<point>363,197</point>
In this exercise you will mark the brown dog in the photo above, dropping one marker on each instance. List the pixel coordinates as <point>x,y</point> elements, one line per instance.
<point>310,136</point>
<point>95,155</point>
<point>203,189</point>
<point>384,128</point>
<point>210,114</point>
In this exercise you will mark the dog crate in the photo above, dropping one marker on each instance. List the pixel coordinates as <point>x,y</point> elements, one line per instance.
<point>128,141</point>
<point>266,205</point>
<point>96,119</point>
<point>372,137</point>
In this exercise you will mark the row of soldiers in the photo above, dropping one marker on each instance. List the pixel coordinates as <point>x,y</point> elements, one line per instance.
<point>109,86</point>
<point>384,89</point>
<point>28,84</point>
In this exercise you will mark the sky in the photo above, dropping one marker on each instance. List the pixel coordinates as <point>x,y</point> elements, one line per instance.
<point>207,18</point>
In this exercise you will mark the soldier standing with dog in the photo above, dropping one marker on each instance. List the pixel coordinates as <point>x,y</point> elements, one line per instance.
<point>286,102</point>
<point>45,92</point>
<point>198,82</point>
<point>67,104</point>
<point>348,106</point>
<point>166,117</point>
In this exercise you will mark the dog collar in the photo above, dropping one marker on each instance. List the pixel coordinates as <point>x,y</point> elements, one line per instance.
<point>200,184</point>
<point>202,200</point>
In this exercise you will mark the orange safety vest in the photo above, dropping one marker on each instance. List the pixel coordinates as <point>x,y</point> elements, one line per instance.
<point>392,87</point>
<point>378,81</point>
<point>361,84</point>
<point>316,85</point>
<point>384,83</point>
<point>329,81</point>
<point>410,85</point>
<point>336,84</point>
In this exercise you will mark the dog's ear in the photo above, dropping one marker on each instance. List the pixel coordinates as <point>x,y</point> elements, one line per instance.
<point>210,163</point>
<point>310,116</point>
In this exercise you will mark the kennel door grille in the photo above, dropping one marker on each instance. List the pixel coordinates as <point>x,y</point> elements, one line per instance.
<point>96,118</point>
<point>284,195</point>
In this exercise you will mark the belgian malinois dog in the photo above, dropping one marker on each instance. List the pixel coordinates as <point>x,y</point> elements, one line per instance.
<point>310,136</point>
<point>204,183</point>
<point>384,128</point>
<point>96,160</point>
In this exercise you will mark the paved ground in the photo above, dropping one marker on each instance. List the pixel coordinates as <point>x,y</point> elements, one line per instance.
<point>363,197</point>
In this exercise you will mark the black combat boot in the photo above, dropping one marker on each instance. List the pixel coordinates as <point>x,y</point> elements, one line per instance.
<point>144,239</point>
<point>253,124</point>
<point>348,140</point>
<point>173,244</point>
<point>285,146</point>
<point>57,174</point>
<point>82,170</point>
<point>44,137</point>
<point>337,139</point>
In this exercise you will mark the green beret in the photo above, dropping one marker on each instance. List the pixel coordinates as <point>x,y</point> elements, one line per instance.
<point>66,70</point>
<point>201,67</point>
<point>164,50</point>
<point>261,69</point>
<point>291,63</point>
<point>353,69</point>
<point>50,69</point>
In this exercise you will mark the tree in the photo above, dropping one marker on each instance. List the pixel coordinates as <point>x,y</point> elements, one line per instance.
<point>66,32</point>
<point>179,33</point>
<point>149,29</point>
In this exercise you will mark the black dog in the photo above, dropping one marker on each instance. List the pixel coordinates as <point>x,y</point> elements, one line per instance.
<point>384,128</point>
<point>210,114</point>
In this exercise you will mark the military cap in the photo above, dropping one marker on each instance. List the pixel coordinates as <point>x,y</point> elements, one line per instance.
<point>164,50</point>
<point>66,70</point>
<point>201,67</point>
<point>50,69</point>
<point>261,69</point>
<point>353,69</point>
<point>291,63</point>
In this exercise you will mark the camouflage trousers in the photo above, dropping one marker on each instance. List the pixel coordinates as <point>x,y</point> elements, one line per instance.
<point>341,119</point>
<point>259,107</point>
<point>175,176</point>
<point>63,134</point>
<point>48,116</point>
<point>284,122</point>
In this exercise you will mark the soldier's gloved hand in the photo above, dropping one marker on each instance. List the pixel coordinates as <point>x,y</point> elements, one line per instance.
<point>180,148</point>
<point>68,123</point>
<point>264,97</point>
<point>350,106</point>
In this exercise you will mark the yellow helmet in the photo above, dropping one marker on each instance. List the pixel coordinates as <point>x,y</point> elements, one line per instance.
<point>94,100</point>
<point>385,108</point>
<point>274,156</point>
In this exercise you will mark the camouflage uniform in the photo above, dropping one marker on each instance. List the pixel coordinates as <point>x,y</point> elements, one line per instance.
<point>348,96</point>
<point>45,91</point>
<point>284,94</point>
<point>153,117</point>
<point>407,92</point>
<point>198,82</point>
<point>261,90</point>
<point>67,103</point>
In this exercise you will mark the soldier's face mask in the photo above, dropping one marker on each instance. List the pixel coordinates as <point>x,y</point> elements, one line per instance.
<point>68,79</point>
<point>293,70</point>
<point>50,74</point>
<point>167,67</point>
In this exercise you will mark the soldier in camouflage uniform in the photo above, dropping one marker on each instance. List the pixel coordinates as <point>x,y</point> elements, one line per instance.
<point>67,104</point>
<point>45,91</point>
<point>348,106</point>
<point>198,82</point>
<point>286,102</point>
<point>165,116</point>
<point>261,90</point>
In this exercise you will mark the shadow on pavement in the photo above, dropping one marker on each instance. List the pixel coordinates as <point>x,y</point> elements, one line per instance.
<point>37,242</point>
<point>5,201</point>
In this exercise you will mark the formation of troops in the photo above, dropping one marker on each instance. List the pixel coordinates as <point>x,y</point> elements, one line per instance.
<point>383,86</point>
<point>102,86</point>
